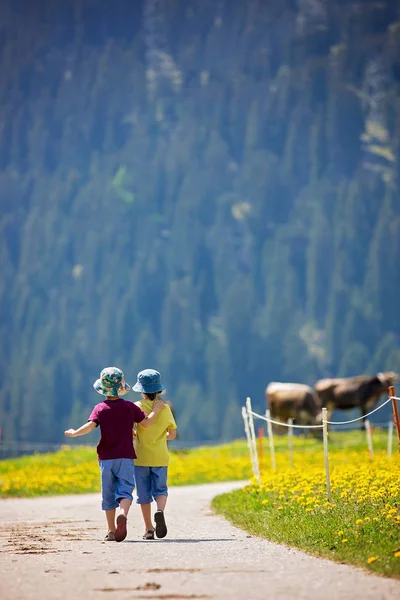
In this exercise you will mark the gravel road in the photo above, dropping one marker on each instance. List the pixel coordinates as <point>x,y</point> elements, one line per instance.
<point>53,548</point>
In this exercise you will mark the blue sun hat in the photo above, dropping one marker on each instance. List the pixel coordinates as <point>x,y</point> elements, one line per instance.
<point>111,382</point>
<point>148,382</point>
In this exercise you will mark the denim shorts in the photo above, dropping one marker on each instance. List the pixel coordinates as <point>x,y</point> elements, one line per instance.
<point>117,481</point>
<point>150,483</point>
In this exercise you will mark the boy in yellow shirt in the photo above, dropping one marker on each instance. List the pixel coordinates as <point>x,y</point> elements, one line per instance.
<point>151,464</point>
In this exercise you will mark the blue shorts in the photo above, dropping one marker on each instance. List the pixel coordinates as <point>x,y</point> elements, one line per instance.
<point>117,481</point>
<point>150,483</point>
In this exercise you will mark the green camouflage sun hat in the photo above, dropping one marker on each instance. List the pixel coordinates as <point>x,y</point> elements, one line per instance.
<point>111,382</point>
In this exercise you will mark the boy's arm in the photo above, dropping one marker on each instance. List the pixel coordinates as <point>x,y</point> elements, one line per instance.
<point>171,431</point>
<point>86,428</point>
<point>171,434</point>
<point>158,406</point>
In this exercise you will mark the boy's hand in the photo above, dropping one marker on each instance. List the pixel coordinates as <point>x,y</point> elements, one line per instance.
<point>158,406</point>
<point>69,432</point>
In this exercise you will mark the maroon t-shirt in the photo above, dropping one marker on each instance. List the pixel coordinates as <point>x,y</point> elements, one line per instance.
<point>116,419</point>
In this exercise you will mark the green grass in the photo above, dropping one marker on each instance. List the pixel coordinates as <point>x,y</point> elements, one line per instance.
<point>74,470</point>
<point>317,534</point>
<point>362,521</point>
<point>77,471</point>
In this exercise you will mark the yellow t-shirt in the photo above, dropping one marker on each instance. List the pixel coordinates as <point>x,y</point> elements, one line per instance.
<point>151,443</point>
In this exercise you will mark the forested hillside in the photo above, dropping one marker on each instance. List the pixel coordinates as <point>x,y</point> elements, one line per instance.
<point>209,188</point>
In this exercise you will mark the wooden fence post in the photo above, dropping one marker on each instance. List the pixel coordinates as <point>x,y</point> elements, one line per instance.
<point>253,438</point>
<point>249,441</point>
<point>396,420</point>
<point>326,459</point>
<point>271,439</point>
<point>290,436</point>
<point>390,438</point>
<point>368,429</point>
<point>260,441</point>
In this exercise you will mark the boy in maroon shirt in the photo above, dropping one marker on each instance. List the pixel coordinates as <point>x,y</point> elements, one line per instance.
<point>116,418</point>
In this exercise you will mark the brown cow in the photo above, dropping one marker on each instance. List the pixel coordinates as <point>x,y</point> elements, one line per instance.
<point>295,401</point>
<point>362,391</point>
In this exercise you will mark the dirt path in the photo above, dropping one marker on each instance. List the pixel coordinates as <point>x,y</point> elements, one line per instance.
<point>52,548</point>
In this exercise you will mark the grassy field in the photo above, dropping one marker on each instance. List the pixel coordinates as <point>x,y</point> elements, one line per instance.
<point>360,526</point>
<point>75,470</point>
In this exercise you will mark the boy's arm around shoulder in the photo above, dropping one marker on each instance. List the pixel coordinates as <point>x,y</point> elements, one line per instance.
<point>158,406</point>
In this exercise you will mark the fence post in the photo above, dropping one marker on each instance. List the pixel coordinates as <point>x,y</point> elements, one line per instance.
<point>253,438</point>
<point>326,459</point>
<point>368,429</point>
<point>271,439</point>
<point>260,440</point>
<point>247,432</point>
<point>390,438</point>
<point>290,435</point>
<point>396,419</point>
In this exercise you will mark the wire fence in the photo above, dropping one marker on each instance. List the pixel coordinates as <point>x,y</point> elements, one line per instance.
<point>362,418</point>
<point>249,415</point>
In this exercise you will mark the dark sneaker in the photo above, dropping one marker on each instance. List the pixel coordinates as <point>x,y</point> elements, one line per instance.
<point>149,534</point>
<point>120,532</point>
<point>161,528</point>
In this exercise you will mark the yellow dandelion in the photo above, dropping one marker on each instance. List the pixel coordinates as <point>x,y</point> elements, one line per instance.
<point>371,559</point>
<point>340,532</point>
<point>397,554</point>
<point>344,540</point>
<point>359,521</point>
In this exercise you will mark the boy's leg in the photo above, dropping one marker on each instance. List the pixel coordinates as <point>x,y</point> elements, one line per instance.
<point>144,497</point>
<point>108,487</point>
<point>125,505</point>
<point>161,502</point>
<point>110,516</point>
<point>159,488</point>
<point>146,514</point>
<point>124,472</point>
<point>160,494</point>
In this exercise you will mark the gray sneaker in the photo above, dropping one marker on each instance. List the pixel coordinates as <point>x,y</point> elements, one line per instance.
<point>110,537</point>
